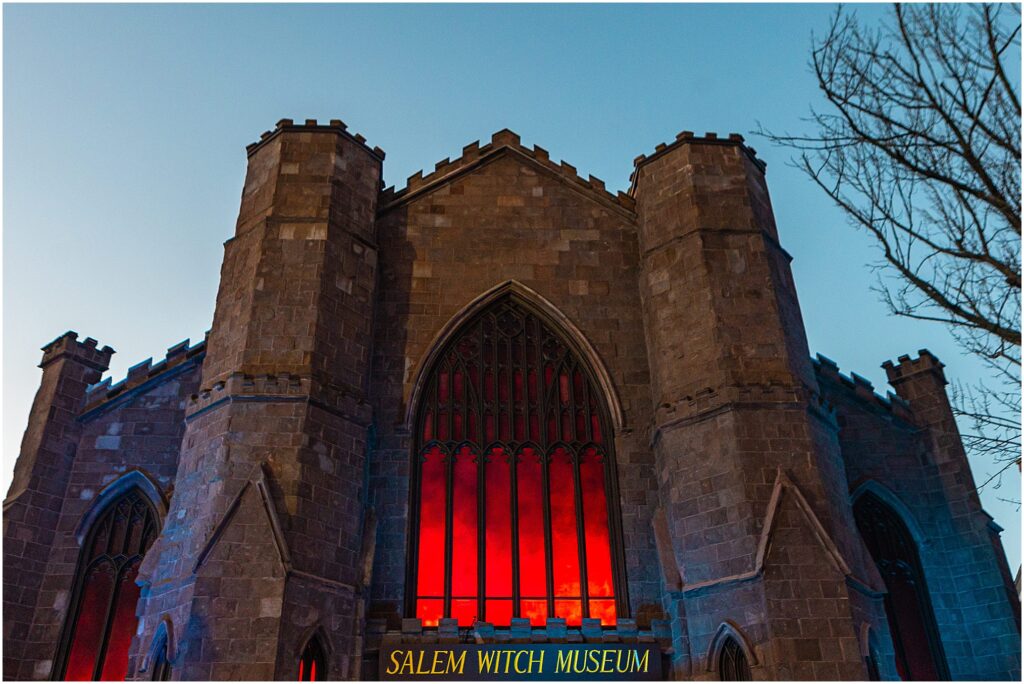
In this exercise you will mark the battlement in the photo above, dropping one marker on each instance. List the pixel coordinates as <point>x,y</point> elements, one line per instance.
<point>689,138</point>
<point>312,126</point>
<point>520,630</point>
<point>85,352</point>
<point>474,154</point>
<point>861,388</point>
<point>906,367</point>
<point>141,373</point>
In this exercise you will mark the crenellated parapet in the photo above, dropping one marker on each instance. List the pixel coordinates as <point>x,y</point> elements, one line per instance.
<point>689,138</point>
<point>860,388</point>
<point>926,362</point>
<point>475,154</point>
<point>313,126</point>
<point>520,631</point>
<point>86,352</point>
<point>143,373</point>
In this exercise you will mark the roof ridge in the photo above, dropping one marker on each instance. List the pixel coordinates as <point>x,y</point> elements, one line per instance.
<point>474,153</point>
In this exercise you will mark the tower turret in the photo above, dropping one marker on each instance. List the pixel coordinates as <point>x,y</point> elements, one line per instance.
<point>33,503</point>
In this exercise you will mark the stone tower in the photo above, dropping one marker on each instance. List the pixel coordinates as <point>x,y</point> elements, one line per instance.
<point>731,375</point>
<point>264,533</point>
<point>34,501</point>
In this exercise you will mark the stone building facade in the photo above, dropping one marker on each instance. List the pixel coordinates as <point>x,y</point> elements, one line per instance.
<point>767,516</point>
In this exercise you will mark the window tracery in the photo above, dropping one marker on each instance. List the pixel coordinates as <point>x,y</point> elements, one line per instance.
<point>101,622</point>
<point>513,479</point>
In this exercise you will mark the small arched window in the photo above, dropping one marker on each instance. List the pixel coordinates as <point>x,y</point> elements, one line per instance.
<point>513,478</point>
<point>732,663</point>
<point>161,668</point>
<point>101,621</point>
<point>907,603</point>
<point>313,663</point>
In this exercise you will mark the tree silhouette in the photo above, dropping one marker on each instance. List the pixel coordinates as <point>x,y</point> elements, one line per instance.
<point>920,147</point>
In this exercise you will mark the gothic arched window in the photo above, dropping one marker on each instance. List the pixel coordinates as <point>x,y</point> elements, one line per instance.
<point>907,603</point>
<point>513,479</point>
<point>732,663</point>
<point>313,663</point>
<point>101,621</point>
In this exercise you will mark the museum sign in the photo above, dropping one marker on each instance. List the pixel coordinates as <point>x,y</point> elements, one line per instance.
<point>490,662</point>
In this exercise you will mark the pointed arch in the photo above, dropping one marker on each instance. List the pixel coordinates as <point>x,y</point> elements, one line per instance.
<point>727,631</point>
<point>894,502</point>
<point>908,606</point>
<point>161,651</point>
<point>869,652</point>
<point>115,490</point>
<point>541,306</point>
<point>314,631</point>
<point>313,656</point>
<point>101,620</point>
<point>514,494</point>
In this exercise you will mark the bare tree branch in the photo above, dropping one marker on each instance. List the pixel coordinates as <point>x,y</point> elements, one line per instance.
<point>921,148</point>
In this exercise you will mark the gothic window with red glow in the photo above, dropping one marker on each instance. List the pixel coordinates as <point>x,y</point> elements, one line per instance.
<point>102,621</point>
<point>513,479</point>
<point>313,663</point>
<point>907,603</point>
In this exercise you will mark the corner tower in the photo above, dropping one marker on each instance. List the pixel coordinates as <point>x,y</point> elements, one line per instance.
<point>33,504</point>
<point>262,544</point>
<point>750,475</point>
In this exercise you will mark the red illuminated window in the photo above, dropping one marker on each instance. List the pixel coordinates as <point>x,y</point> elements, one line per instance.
<point>313,663</point>
<point>102,621</point>
<point>907,603</point>
<point>513,480</point>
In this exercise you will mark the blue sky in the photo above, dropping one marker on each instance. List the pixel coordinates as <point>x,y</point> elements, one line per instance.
<point>125,127</point>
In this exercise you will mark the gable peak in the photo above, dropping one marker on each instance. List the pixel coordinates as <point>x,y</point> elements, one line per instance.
<point>502,142</point>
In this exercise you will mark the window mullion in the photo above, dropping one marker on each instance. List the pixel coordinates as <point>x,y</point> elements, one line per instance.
<point>570,373</point>
<point>581,537</point>
<point>450,524</point>
<point>548,554</point>
<point>481,533</point>
<point>115,595</point>
<point>588,429</point>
